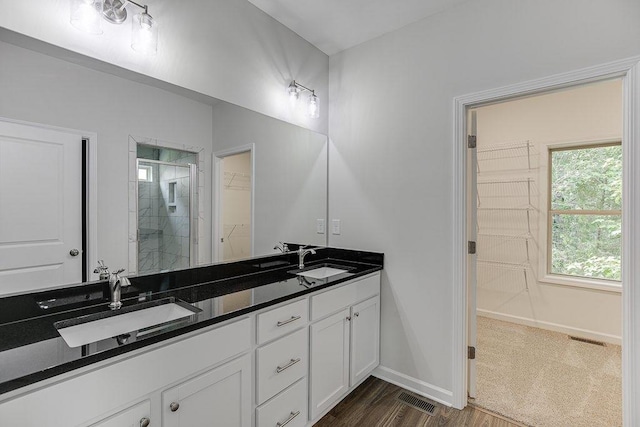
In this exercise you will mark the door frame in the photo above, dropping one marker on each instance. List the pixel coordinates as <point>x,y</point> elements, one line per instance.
<point>217,178</point>
<point>91,207</point>
<point>629,71</point>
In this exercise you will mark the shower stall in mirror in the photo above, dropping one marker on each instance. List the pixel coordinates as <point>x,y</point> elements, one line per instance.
<point>167,191</point>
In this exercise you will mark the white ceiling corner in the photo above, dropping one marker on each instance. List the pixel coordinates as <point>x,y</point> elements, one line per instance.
<point>336,25</point>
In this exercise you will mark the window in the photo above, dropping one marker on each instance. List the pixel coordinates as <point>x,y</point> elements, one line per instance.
<point>145,173</point>
<point>585,220</point>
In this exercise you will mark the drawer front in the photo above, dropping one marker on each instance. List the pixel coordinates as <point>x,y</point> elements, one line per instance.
<point>290,405</point>
<point>337,299</point>
<point>280,364</point>
<point>282,320</point>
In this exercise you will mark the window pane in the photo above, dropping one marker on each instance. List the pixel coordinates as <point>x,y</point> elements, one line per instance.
<point>586,245</point>
<point>587,178</point>
<point>142,174</point>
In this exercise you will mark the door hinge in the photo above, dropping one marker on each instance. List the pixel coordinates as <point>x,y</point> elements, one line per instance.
<point>471,249</point>
<point>471,141</point>
<point>471,353</point>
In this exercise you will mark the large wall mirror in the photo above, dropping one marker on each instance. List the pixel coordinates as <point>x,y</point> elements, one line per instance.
<point>244,183</point>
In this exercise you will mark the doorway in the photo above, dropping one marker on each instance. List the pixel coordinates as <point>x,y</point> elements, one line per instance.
<point>234,190</point>
<point>545,202</point>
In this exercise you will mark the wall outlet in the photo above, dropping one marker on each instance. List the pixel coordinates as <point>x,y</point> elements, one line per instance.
<point>335,226</point>
<point>320,226</point>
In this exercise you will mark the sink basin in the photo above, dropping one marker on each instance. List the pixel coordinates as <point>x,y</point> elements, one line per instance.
<point>321,272</point>
<point>95,327</point>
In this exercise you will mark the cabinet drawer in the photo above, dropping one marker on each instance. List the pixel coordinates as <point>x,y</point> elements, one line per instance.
<point>280,364</point>
<point>282,320</point>
<point>131,417</point>
<point>336,299</point>
<point>291,405</point>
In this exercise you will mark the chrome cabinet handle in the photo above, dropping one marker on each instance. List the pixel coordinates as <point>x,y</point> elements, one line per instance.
<point>356,314</point>
<point>285,322</point>
<point>74,252</point>
<point>174,406</point>
<point>145,422</point>
<point>288,365</point>
<point>288,420</point>
<point>348,318</point>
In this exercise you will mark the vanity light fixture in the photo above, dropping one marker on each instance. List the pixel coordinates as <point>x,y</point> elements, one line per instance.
<point>313,106</point>
<point>86,14</point>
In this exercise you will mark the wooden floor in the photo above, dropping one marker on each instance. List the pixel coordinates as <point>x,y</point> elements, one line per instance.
<point>374,403</point>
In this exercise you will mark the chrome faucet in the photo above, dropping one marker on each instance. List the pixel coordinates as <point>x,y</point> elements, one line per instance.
<point>282,247</point>
<point>302,252</point>
<point>116,283</point>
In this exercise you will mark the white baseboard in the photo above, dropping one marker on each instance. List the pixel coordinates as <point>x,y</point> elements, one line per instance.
<point>417,386</point>
<point>569,330</point>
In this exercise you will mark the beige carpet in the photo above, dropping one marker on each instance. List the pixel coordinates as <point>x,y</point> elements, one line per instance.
<point>544,379</point>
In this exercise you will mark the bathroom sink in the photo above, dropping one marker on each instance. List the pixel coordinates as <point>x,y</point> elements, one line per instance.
<point>95,327</point>
<point>321,272</point>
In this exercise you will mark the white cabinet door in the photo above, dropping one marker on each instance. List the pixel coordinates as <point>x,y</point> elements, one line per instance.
<point>329,361</point>
<point>136,416</point>
<point>220,397</point>
<point>365,338</point>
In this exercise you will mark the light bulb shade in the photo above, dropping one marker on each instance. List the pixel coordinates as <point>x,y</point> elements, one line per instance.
<point>144,34</point>
<point>314,106</point>
<point>86,15</point>
<point>294,92</point>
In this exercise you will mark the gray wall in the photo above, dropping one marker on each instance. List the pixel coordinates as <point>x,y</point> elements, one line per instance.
<point>391,128</point>
<point>227,49</point>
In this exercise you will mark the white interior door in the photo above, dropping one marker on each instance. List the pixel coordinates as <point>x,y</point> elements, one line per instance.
<point>472,173</point>
<point>40,208</point>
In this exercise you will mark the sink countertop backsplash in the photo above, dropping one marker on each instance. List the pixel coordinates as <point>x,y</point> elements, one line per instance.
<point>31,349</point>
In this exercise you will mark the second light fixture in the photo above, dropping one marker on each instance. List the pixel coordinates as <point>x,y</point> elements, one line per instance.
<point>313,105</point>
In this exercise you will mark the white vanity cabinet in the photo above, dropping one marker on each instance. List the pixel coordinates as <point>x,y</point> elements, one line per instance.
<point>283,365</point>
<point>345,345</point>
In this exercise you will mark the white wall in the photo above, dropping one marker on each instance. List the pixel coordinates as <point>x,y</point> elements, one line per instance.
<point>585,114</point>
<point>290,175</point>
<point>41,89</point>
<point>391,130</point>
<point>227,49</point>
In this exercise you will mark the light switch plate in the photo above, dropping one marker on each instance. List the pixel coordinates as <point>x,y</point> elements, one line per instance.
<point>320,226</point>
<point>336,226</point>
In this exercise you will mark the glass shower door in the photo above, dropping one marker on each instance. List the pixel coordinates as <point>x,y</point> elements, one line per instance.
<point>165,216</point>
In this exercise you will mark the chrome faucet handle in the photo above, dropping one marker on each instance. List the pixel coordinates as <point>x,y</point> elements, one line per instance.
<point>118,271</point>
<point>282,247</point>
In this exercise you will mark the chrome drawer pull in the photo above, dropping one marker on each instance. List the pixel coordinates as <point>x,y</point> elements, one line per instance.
<point>288,365</point>
<point>288,420</point>
<point>285,322</point>
<point>145,422</point>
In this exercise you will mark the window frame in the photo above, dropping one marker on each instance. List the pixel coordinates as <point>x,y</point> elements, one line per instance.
<point>545,274</point>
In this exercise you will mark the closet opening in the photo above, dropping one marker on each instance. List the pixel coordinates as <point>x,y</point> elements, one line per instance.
<point>544,205</point>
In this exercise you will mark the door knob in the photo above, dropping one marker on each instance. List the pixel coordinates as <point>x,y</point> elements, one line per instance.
<point>74,252</point>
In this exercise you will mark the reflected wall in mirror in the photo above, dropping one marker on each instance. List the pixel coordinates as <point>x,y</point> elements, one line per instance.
<point>58,89</point>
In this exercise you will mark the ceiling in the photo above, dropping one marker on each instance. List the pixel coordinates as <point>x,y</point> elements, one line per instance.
<point>335,25</point>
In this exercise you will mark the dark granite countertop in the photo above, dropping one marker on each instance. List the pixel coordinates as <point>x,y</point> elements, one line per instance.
<point>31,349</point>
